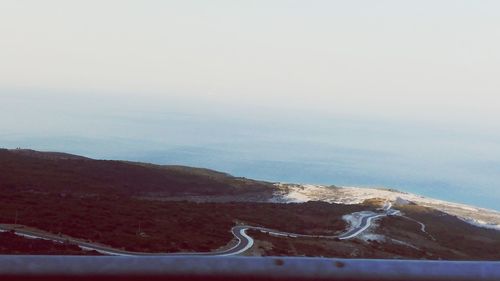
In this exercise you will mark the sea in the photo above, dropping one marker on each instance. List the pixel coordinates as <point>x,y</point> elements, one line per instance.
<point>430,158</point>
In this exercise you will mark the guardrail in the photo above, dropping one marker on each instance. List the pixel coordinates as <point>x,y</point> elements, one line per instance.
<point>239,268</point>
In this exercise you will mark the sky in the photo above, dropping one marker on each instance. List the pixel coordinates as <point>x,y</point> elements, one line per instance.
<point>399,93</point>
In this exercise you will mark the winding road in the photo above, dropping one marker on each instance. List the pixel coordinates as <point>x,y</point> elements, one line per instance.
<point>244,241</point>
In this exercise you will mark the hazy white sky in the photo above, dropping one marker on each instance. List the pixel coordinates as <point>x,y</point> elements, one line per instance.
<point>416,58</point>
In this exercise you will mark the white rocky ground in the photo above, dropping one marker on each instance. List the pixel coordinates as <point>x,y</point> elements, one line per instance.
<point>355,195</point>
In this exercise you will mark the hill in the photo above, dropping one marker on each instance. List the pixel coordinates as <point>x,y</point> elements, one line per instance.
<point>150,208</point>
<point>63,173</point>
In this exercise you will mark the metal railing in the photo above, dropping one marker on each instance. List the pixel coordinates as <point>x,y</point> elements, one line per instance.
<point>239,268</point>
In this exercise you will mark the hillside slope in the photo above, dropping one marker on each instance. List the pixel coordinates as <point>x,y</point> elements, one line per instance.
<point>153,208</point>
<point>65,173</point>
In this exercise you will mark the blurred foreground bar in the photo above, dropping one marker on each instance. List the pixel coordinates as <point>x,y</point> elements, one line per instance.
<point>238,268</point>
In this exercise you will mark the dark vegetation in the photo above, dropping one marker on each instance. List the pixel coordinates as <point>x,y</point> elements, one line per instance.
<point>100,201</point>
<point>65,173</point>
<point>454,238</point>
<point>447,238</point>
<point>140,225</point>
<point>17,245</point>
<point>331,248</point>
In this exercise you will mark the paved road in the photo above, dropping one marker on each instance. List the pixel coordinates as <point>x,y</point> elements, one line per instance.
<point>366,221</point>
<point>244,241</point>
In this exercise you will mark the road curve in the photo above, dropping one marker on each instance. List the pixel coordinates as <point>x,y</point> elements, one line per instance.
<point>244,241</point>
<point>366,222</point>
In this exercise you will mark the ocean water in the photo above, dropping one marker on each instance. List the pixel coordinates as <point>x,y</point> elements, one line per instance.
<point>428,158</point>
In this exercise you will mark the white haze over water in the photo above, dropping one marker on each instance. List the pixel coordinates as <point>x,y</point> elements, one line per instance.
<point>402,94</point>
